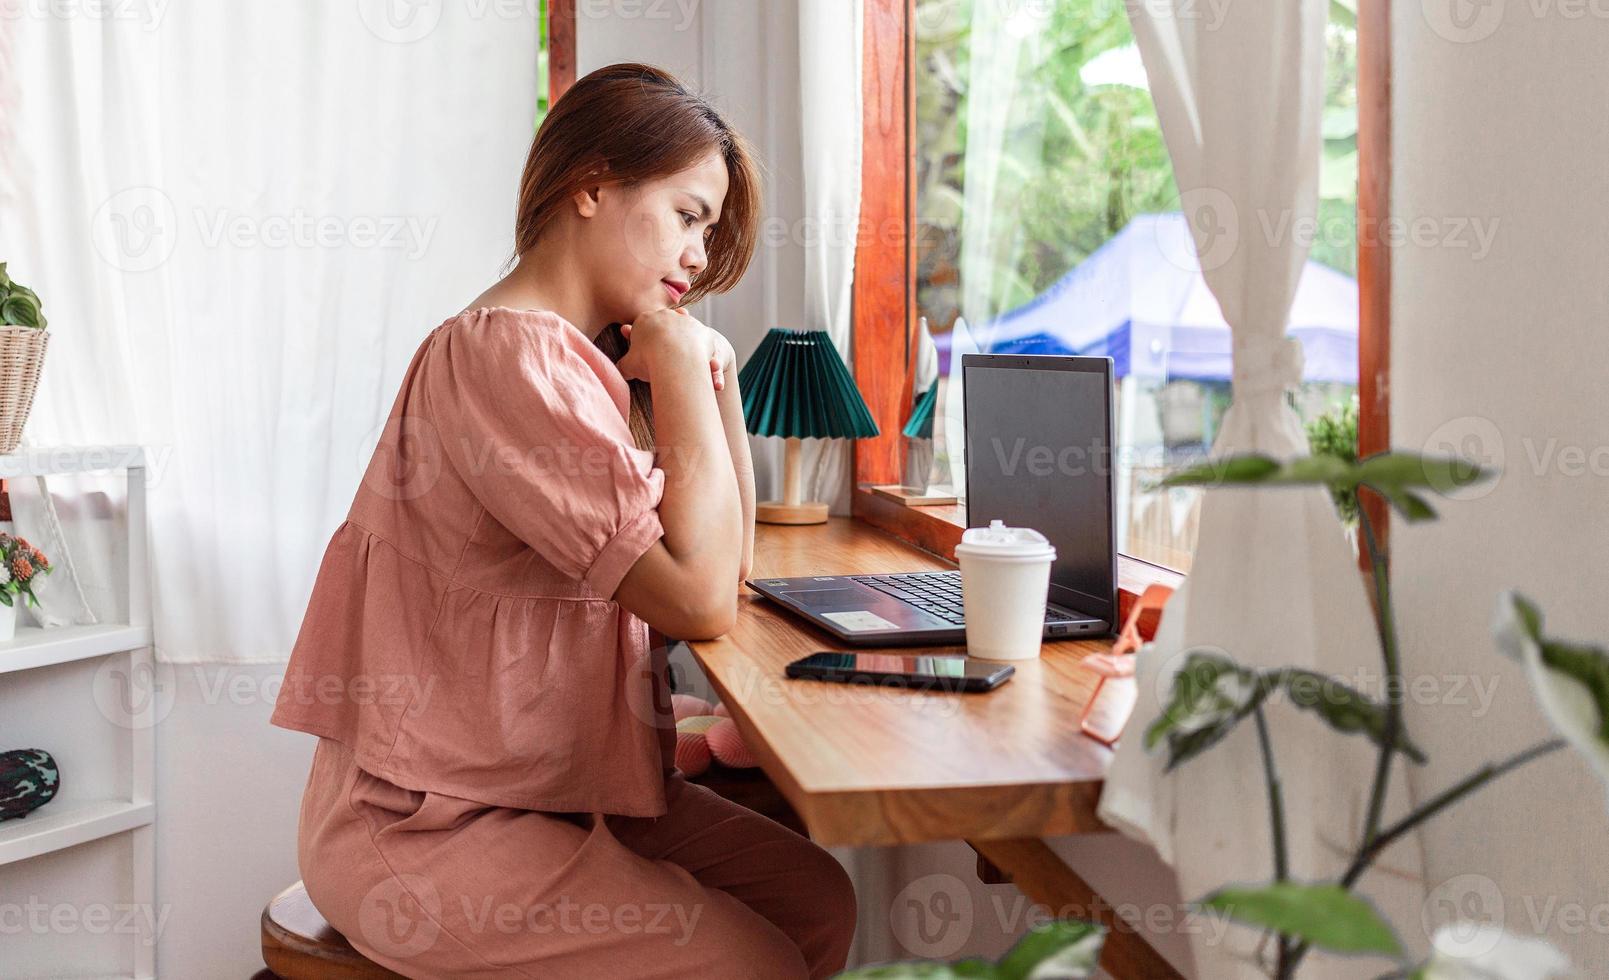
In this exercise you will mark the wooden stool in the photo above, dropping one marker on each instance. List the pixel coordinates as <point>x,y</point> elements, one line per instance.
<point>299,945</point>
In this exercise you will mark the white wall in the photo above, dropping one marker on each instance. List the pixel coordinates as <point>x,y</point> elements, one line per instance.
<point>229,790</point>
<point>1505,356</point>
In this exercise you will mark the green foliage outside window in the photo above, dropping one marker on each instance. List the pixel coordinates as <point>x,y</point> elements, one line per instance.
<point>1079,162</point>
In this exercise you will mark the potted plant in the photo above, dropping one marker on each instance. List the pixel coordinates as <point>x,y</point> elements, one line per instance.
<point>23,338</point>
<point>20,564</point>
<point>1211,694</point>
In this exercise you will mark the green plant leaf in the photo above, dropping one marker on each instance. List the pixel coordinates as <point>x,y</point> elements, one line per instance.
<point>39,306</point>
<point>1412,507</point>
<point>1325,915</point>
<point>1527,617</point>
<point>1443,474</point>
<point>23,311</point>
<point>19,305</point>
<point>1570,681</point>
<point>1343,708</point>
<point>1393,475</point>
<point>1587,666</point>
<point>1211,694</point>
<point>1246,468</point>
<point>1066,949</point>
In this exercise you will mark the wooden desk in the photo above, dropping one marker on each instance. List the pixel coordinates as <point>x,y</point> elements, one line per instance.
<point>866,766</point>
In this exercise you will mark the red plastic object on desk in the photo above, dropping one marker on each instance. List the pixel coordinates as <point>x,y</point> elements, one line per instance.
<point>1112,703</point>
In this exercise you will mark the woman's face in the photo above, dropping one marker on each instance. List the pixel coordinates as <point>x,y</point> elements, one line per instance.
<point>648,241</point>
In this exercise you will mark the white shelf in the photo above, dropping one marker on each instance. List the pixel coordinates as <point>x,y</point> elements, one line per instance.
<point>61,825</point>
<point>47,829</point>
<point>36,647</point>
<point>49,460</point>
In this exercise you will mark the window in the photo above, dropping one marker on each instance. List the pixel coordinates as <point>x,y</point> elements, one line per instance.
<point>1045,220</point>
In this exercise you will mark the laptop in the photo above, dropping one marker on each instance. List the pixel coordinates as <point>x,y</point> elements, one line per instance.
<point>1038,431</point>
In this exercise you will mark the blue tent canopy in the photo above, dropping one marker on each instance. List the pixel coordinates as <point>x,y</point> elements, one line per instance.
<point>1141,300</point>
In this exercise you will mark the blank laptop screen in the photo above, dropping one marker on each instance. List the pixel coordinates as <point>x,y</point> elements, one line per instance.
<point>1039,455</point>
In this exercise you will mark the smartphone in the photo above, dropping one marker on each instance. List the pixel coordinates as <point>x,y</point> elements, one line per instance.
<point>921,672</point>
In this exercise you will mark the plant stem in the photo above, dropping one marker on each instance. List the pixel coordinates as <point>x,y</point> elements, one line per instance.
<point>1387,626</point>
<point>1276,799</point>
<point>1276,819</point>
<point>1447,798</point>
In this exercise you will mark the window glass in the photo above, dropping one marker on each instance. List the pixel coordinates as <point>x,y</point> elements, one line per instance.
<point>1048,222</point>
<point>543,96</point>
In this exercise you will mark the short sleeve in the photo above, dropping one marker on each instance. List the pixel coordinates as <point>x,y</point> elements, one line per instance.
<point>527,420</point>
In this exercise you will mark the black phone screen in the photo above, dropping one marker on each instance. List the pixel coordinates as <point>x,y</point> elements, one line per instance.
<point>903,670</point>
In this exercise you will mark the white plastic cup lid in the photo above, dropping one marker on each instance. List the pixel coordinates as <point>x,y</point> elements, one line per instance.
<point>999,541</point>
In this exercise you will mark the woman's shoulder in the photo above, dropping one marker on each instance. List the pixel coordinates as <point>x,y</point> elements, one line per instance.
<point>503,346</point>
<point>509,331</point>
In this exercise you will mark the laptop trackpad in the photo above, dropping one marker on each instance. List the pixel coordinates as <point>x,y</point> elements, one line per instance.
<point>822,597</point>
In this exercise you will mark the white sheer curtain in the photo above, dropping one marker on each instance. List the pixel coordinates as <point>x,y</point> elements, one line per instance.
<point>1004,43</point>
<point>830,43</point>
<point>1273,581</point>
<point>243,218</point>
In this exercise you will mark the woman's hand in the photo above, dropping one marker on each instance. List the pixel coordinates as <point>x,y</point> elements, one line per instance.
<point>651,333</point>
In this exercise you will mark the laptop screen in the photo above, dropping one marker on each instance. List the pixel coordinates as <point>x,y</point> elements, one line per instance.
<point>1039,455</point>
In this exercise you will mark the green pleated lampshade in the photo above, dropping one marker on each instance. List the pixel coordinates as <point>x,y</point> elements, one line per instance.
<point>920,424</point>
<point>797,385</point>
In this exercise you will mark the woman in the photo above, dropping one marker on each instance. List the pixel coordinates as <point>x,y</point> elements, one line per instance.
<point>494,793</point>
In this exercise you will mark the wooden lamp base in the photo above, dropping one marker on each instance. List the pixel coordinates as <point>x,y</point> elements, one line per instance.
<point>792,508</point>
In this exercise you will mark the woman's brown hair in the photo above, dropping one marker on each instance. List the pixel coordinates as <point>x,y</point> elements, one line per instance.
<point>636,123</point>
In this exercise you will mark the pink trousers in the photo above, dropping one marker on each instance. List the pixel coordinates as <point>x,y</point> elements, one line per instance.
<point>430,885</point>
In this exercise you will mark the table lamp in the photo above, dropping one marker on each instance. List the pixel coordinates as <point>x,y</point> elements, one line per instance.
<point>920,424</point>
<point>913,487</point>
<point>797,387</point>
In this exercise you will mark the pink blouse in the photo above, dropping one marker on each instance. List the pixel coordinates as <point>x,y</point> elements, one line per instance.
<point>461,635</point>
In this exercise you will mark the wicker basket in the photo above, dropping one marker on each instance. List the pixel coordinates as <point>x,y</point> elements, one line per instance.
<point>22,354</point>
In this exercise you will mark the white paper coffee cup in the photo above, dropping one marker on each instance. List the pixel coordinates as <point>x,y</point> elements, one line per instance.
<point>1005,582</point>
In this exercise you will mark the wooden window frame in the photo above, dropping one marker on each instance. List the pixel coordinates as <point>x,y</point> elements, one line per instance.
<point>885,277</point>
<point>561,47</point>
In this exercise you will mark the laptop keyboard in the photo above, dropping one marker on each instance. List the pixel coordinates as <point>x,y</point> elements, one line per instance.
<point>936,592</point>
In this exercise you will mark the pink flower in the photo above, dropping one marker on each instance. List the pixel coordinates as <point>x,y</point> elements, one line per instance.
<point>22,568</point>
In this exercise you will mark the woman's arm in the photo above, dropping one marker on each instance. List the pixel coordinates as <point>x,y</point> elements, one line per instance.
<point>675,586</point>
<point>730,400</point>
